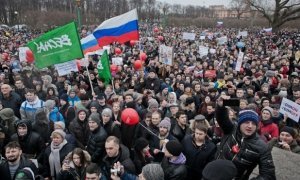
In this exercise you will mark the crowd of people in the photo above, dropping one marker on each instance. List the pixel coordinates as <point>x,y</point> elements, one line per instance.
<point>66,127</point>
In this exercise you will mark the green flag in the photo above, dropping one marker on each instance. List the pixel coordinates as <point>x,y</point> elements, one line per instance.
<point>104,68</point>
<point>57,46</point>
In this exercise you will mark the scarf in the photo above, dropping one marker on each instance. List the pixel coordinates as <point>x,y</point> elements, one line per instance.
<point>181,159</point>
<point>54,158</point>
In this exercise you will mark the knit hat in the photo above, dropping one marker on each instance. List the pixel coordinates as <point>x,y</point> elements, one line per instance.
<point>269,109</point>
<point>59,125</point>
<point>152,103</point>
<point>174,147</point>
<point>60,132</point>
<point>140,144</point>
<point>226,170</point>
<point>248,115</point>
<point>153,172</point>
<point>166,122</point>
<point>64,97</point>
<point>95,117</point>
<point>106,112</point>
<point>289,130</point>
<point>7,113</point>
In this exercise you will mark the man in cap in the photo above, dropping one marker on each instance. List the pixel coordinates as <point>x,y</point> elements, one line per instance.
<point>95,144</point>
<point>242,145</point>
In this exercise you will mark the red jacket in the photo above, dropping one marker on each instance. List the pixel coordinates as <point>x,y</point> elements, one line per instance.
<point>268,129</point>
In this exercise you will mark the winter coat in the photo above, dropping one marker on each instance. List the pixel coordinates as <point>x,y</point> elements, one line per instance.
<point>268,129</point>
<point>13,101</point>
<point>75,173</point>
<point>180,133</point>
<point>152,84</point>
<point>253,151</point>
<point>123,157</point>
<point>55,115</point>
<point>28,109</point>
<point>174,171</point>
<point>67,148</point>
<point>42,125</point>
<point>5,172</point>
<point>8,119</point>
<point>112,129</point>
<point>197,157</point>
<point>295,148</point>
<point>32,144</point>
<point>80,130</point>
<point>96,144</point>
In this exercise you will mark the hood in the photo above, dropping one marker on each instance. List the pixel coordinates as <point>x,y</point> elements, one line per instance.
<point>27,123</point>
<point>7,114</point>
<point>87,158</point>
<point>181,159</point>
<point>49,78</point>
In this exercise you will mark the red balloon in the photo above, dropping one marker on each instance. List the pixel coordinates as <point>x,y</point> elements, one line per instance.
<point>114,68</point>
<point>143,56</point>
<point>118,51</point>
<point>132,42</point>
<point>156,29</point>
<point>29,56</point>
<point>160,38</point>
<point>129,116</point>
<point>137,64</point>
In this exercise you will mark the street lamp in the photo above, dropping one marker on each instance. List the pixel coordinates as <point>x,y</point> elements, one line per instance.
<point>78,4</point>
<point>16,16</point>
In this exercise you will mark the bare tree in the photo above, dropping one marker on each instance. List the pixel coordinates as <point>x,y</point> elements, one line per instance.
<point>240,7</point>
<point>277,12</point>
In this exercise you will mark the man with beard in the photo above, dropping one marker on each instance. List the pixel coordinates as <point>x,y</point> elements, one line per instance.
<point>14,162</point>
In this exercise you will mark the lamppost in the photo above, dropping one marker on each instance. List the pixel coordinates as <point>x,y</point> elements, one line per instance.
<point>78,4</point>
<point>16,16</point>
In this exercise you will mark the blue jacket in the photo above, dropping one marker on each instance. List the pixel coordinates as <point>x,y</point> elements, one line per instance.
<point>56,116</point>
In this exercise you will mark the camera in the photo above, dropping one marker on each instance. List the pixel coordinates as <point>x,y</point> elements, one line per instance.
<point>116,172</point>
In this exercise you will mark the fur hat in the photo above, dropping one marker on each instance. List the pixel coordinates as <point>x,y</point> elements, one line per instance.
<point>140,144</point>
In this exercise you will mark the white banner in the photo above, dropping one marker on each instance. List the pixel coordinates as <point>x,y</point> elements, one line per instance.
<point>239,61</point>
<point>166,54</point>
<point>212,51</point>
<point>117,61</point>
<point>243,33</point>
<point>22,53</point>
<point>290,108</point>
<point>66,68</point>
<point>188,36</point>
<point>202,37</point>
<point>203,51</point>
<point>222,40</point>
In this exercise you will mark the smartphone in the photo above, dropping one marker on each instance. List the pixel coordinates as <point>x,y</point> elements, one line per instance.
<point>231,102</point>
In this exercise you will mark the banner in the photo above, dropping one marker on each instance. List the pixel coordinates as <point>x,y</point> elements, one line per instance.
<point>239,61</point>
<point>166,54</point>
<point>57,46</point>
<point>243,33</point>
<point>66,68</point>
<point>117,61</point>
<point>203,51</point>
<point>188,36</point>
<point>290,108</point>
<point>222,40</point>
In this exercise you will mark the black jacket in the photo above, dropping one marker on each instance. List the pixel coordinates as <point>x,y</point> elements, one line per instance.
<point>112,129</point>
<point>96,144</point>
<point>80,130</point>
<point>197,157</point>
<point>123,157</point>
<point>13,101</point>
<point>180,133</point>
<point>4,168</point>
<point>253,150</point>
<point>173,171</point>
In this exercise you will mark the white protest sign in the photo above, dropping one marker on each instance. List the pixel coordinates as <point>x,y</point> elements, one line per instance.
<point>166,54</point>
<point>222,40</point>
<point>188,36</point>
<point>239,61</point>
<point>66,67</point>
<point>290,108</point>
<point>212,51</point>
<point>202,37</point>
<point>117,61</point>
<point>203,51</point>
<point>22,54</point>
<point>243,33</point>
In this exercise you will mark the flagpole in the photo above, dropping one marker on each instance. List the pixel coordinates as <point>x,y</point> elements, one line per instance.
<point>112,83</point>
<point>93,92</point>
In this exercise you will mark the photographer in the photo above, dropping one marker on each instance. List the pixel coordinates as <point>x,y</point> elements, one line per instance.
<point>74,165</point>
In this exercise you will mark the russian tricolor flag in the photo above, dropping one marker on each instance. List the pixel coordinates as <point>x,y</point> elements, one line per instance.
<point>121,29</point>
<point>89,44</point>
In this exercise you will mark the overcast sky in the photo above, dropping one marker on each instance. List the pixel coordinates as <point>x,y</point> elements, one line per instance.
<point>198,2</point>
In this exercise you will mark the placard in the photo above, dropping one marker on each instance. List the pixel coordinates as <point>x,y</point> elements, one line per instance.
<point>243,33</point>
<point>66,68</point>
<point>290,108</point>
<point>239,61</point>
<point>188,36</point>
<point>117,61</point>
<point>203,51</point>
<point>166,54</point>
<point>22,54</point>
